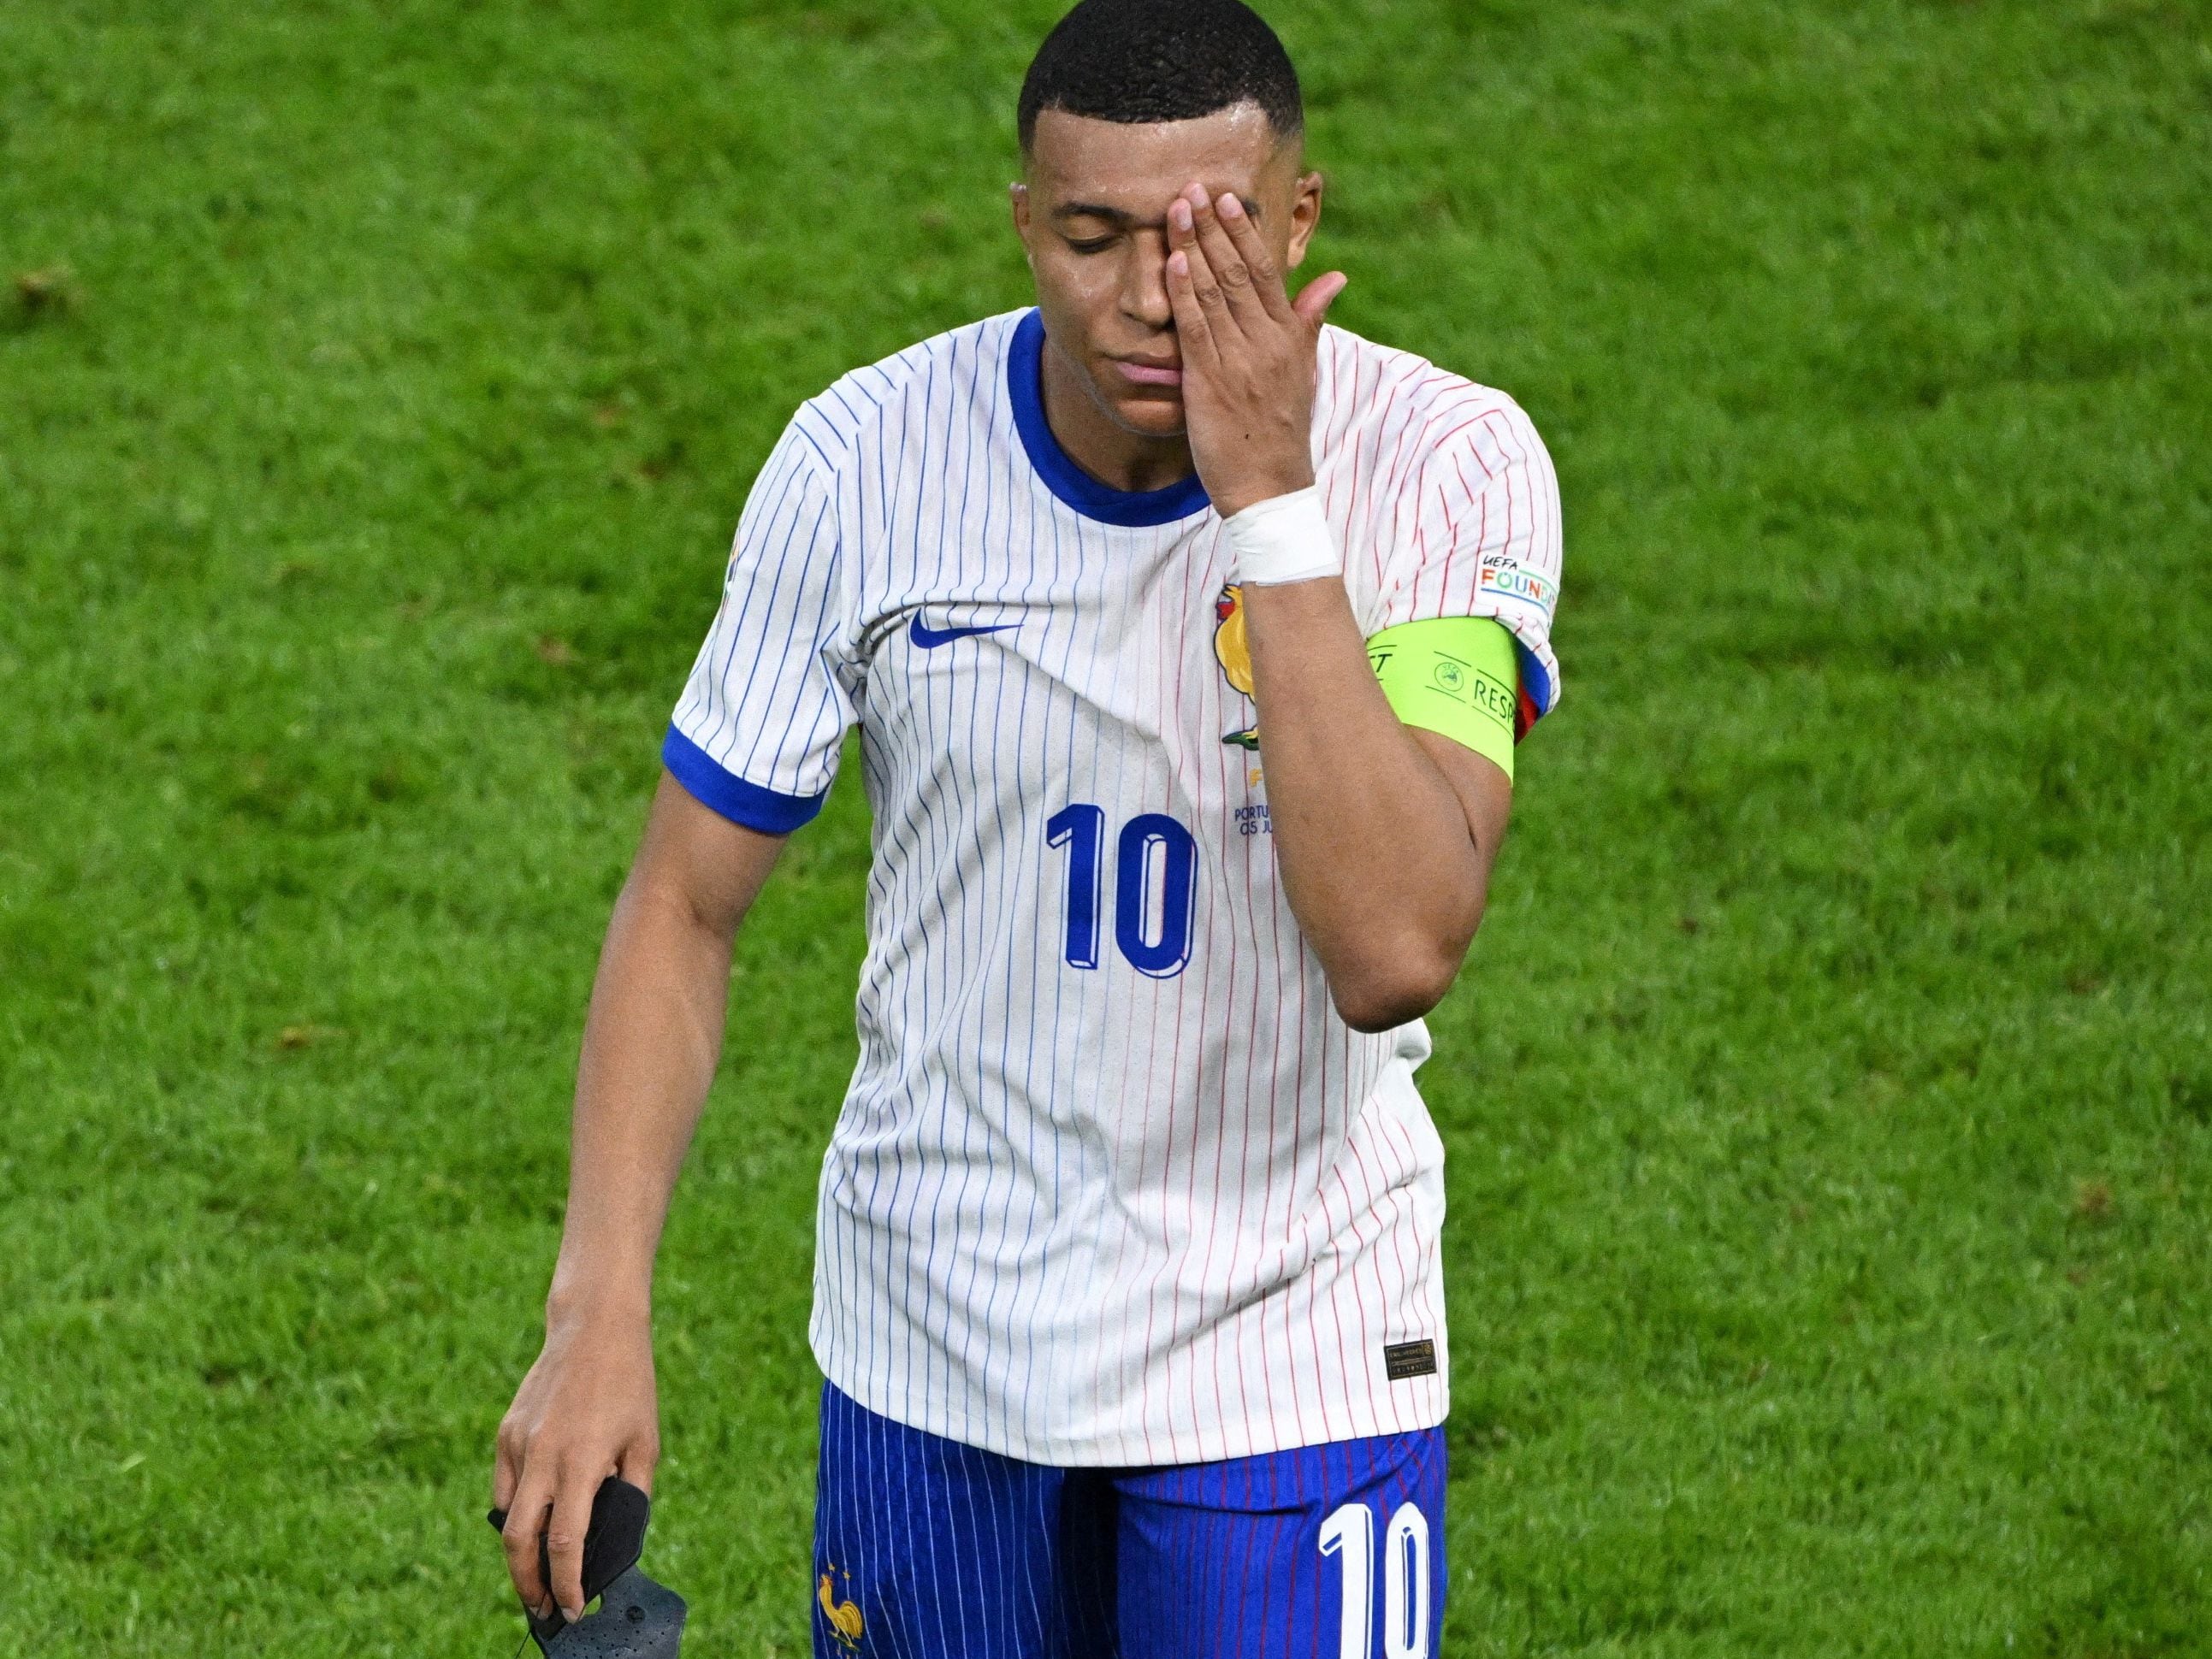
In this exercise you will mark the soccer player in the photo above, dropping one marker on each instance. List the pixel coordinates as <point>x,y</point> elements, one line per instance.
<point>1188,638</point>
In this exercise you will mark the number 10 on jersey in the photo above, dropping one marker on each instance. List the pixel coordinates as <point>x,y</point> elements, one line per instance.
<point>1155,888</point>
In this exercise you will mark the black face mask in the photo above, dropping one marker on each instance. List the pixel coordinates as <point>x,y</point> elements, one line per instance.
<point>637,1618</point>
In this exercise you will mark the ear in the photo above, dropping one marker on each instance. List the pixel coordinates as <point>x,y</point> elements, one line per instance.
<point>1017,197</point>
<point>1305,215</point>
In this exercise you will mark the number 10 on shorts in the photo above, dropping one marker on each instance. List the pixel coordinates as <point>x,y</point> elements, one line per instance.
<point>1349,1534</point>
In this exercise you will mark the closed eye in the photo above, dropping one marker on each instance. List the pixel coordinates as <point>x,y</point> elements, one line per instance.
<point>1094,245</point>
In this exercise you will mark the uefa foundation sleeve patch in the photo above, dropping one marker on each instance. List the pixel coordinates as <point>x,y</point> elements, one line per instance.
<point>1404,1360</point>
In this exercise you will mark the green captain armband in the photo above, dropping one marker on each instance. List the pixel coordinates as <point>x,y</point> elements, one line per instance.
<point>1455,675</point>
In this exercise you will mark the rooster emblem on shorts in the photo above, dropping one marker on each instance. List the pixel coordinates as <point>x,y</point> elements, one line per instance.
<point>1234,654</point>
<point>845,1622</point>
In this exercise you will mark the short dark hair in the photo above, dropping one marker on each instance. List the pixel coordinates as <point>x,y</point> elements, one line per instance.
<point>1161,60</point>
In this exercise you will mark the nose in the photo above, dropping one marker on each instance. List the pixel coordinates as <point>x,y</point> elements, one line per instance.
<point>1145,282</point>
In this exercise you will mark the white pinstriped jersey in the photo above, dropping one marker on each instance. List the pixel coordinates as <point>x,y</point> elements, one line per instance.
<point>1112,1184</point>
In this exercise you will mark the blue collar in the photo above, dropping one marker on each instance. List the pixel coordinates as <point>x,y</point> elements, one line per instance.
<point>1094,500</point>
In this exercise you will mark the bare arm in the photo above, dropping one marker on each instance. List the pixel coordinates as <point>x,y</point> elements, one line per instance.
<point>1386,834</point>
<point>587,1408</point>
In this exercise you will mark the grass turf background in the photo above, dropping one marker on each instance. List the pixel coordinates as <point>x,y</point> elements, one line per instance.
<point>1828,1097</point>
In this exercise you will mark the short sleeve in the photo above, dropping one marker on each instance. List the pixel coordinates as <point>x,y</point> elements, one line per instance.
<point>756,733</point>
<point>1477,534</point>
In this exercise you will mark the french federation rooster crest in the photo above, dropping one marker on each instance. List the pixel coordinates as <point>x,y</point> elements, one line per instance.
<point>1234,654</point>
<point>845,1622</point>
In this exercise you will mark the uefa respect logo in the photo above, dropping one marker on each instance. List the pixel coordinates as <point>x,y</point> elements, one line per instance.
<point>1473,687</point>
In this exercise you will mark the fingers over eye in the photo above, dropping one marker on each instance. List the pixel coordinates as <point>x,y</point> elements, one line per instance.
<point>1205,284</point>
<point>1231,278</point>
<point>1252,249</point>
<point>1191,324</point>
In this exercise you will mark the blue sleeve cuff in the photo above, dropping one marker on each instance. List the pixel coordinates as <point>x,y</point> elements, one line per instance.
<point>1537,683</point>
<point>732,796</point>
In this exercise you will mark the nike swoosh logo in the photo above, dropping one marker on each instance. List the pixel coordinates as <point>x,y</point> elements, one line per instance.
<point>928,638</point>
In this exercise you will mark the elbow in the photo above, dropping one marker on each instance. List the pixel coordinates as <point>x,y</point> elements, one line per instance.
<point>1379,995</point>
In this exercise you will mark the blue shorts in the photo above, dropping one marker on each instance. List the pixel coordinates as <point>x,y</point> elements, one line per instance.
<point>925,1548</point>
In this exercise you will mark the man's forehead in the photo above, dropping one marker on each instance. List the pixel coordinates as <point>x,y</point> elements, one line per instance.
<point>1136,167</point>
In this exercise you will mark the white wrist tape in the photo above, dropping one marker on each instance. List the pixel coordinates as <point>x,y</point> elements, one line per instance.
<point>1284,538</point>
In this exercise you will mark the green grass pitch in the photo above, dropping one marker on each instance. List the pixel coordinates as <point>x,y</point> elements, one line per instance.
<point>1829,1096</point>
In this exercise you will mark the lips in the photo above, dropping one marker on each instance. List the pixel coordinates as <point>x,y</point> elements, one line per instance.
<point>1141,372</point>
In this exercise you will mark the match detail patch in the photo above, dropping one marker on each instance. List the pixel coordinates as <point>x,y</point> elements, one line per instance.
<point>1402,1360</point>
